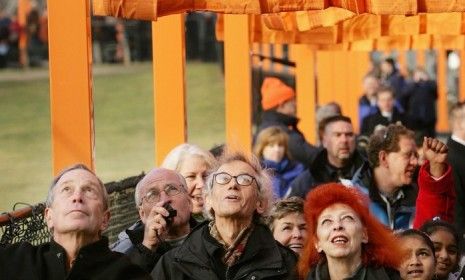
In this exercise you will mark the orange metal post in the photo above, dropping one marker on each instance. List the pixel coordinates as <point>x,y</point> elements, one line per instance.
<point>359,62</point>
<point>442,124</point>
<point>461,92</point>
<point>169,84</point>
<point>24,7</point>
<point>71,105</point>
<point>237,81</point>
<point>305,88</point>
<point>325,84</point>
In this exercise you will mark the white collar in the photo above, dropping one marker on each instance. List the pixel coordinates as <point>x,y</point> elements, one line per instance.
<point>457,139</point>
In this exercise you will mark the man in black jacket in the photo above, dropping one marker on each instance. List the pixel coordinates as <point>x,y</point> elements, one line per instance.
<point>279,109</point>
<point>386,114</point>
<point>76,214</point>
<point>156,233</point>
<point>338,160</point>
<point>456,158</point>
<point>234,244</point>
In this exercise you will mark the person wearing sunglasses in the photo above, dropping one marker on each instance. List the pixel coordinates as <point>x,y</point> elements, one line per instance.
<point>235,243</point>
<point>165,207</point>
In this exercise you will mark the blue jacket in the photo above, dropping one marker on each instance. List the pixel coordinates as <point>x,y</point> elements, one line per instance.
<point>398,214</point>
<point>284,173</point>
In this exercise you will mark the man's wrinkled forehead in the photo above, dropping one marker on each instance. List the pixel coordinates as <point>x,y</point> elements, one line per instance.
<point>78,175</point>
<point>160,177</point>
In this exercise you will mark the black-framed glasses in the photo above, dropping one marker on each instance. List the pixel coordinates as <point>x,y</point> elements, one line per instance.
<point>224,178</point>
<point>153,195</point>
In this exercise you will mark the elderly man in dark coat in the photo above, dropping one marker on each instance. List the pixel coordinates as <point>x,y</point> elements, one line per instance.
<point>77,213</point>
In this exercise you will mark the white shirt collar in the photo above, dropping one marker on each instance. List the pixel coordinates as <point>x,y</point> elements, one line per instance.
<point>457,139</point>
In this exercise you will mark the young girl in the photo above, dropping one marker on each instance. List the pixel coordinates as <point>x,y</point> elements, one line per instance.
<point>419,262</point>
<point>446,246</point>
<point>272,150</point>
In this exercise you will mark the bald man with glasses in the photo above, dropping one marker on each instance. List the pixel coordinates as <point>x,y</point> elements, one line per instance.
<point>164,209</point>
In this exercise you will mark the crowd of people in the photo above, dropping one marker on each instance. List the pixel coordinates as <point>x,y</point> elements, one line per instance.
<point>391,208</point>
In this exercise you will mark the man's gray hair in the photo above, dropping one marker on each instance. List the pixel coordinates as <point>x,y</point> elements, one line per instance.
<point>263,179</point>
<point>143,182</point>
<point>50,194</point>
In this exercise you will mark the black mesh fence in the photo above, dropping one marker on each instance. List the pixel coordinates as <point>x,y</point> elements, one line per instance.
<point>27,223</point>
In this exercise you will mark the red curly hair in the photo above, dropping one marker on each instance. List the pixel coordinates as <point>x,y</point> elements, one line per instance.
<point>382,248</point>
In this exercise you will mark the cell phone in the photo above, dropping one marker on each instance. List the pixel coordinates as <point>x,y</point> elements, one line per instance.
<point>172,213</point>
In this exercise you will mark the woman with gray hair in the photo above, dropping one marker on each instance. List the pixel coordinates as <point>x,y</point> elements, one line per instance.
<point>235,243</point>
<point>192,163</point>
<point>287,222</point>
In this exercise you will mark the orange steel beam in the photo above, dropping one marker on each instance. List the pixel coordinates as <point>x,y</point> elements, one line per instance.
<point>169,84</point>
<point>442,125</point>
<point>304,58</point>
<point>70,63</point>
<point>237,81</point>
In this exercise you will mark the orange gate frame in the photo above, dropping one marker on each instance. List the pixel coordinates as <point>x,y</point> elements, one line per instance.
<point>71,83</point>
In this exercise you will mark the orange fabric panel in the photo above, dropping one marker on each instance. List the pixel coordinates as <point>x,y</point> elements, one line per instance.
<point>400,25</point>
<point>151,9</point>
<point>361,27</point>
<point>444,23</point>
<point>438,6</point>
<point>392,7</point>
<point>394,42</point>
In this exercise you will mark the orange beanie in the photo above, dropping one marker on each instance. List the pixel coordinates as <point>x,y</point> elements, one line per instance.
<point>275,92</point>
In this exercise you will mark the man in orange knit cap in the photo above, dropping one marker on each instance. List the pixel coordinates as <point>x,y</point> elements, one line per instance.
<point>279,109</point>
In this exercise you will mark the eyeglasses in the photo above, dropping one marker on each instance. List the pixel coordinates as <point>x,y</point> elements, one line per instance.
<point>224,178</point>
<point>153,195</point>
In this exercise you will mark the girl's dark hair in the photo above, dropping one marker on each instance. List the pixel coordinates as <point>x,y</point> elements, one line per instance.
<point>432,226</point>
<point>417,233</point>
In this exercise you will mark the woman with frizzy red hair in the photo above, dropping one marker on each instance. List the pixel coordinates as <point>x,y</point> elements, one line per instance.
<point>345,241</point>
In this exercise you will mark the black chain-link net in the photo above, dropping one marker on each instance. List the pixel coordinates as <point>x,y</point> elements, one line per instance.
<point>30,225</point>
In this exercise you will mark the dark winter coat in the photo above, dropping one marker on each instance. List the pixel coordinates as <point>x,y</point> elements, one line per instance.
<point>369,123</point>
<point>365,108</point>
<point>456,158</point>
<point>321,171</point>
<point>48,262</point>
<point>320,272</point>
<point>299,148</point>
<point>199,257</point>
<point>130,243</point>
<point>419,103</point>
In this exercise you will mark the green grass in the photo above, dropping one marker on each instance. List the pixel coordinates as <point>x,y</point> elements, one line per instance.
<point>123,125</point>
